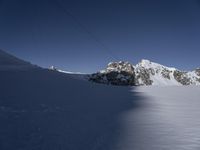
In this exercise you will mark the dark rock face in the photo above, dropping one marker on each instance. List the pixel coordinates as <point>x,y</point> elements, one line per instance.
<point>113,77</point>
<point>198,79</point>
<point>166,73</point>
<point>120,67</point>
<point>151,71</point>
<point>181,77</point>
<point>98,78</point>
<point>197,71</point>
<point>117,73</point>
<point>144,75</point>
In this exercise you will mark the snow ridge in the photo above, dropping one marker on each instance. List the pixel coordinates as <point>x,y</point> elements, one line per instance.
<point>145,73</point>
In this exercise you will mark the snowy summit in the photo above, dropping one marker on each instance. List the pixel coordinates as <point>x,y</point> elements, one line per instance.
<point>145,73</point>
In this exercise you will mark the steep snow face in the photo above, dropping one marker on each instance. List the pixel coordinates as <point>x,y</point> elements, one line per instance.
<point>148,64</point>
<point>145,73</point>
<point>156,74</point>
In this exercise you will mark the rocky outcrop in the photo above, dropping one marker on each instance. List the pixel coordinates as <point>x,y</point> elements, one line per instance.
<point>166,73</point>
<point>144,73</point>
<point>113,77</point>
<point>53,68</point>
<point>116,73</point>
<point>120,66</point>
<point>197,71</point>
<point>181,77</point>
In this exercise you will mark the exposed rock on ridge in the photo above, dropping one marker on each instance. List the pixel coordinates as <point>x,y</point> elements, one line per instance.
<point>116,73</point>
<point>144,73</point>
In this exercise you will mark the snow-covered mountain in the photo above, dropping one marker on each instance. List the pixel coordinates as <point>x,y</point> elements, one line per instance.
<point>145,73</point>
<point>118,73</point>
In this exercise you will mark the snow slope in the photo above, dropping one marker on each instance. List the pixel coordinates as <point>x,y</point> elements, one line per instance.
<point>75,75</point>
<point>41,109</point>
<point>10,62</point>
<point>167,119</point>
<point>157,76</point>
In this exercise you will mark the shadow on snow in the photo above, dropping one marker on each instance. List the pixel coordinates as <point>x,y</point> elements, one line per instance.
<point>47,110</point>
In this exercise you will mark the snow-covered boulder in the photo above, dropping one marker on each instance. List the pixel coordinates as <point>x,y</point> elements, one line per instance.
<point>53,68</point>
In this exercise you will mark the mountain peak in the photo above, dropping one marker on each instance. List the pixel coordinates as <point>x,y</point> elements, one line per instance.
<point>119,66</point>
<point>145,73</point>
<point>145,61</point>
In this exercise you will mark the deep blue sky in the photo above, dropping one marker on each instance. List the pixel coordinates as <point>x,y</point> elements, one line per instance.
<point>99,31</point>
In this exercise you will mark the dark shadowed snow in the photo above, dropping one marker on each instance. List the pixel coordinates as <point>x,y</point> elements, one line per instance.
<point>47,110</point>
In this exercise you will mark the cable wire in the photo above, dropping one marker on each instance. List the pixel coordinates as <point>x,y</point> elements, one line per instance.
<point>85,29</point>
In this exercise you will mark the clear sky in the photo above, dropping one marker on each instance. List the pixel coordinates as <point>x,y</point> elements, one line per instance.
<point>84,35</point>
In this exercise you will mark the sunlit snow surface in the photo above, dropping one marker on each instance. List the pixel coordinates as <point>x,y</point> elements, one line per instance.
<point>168,118</point>
<point>158,78</point>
